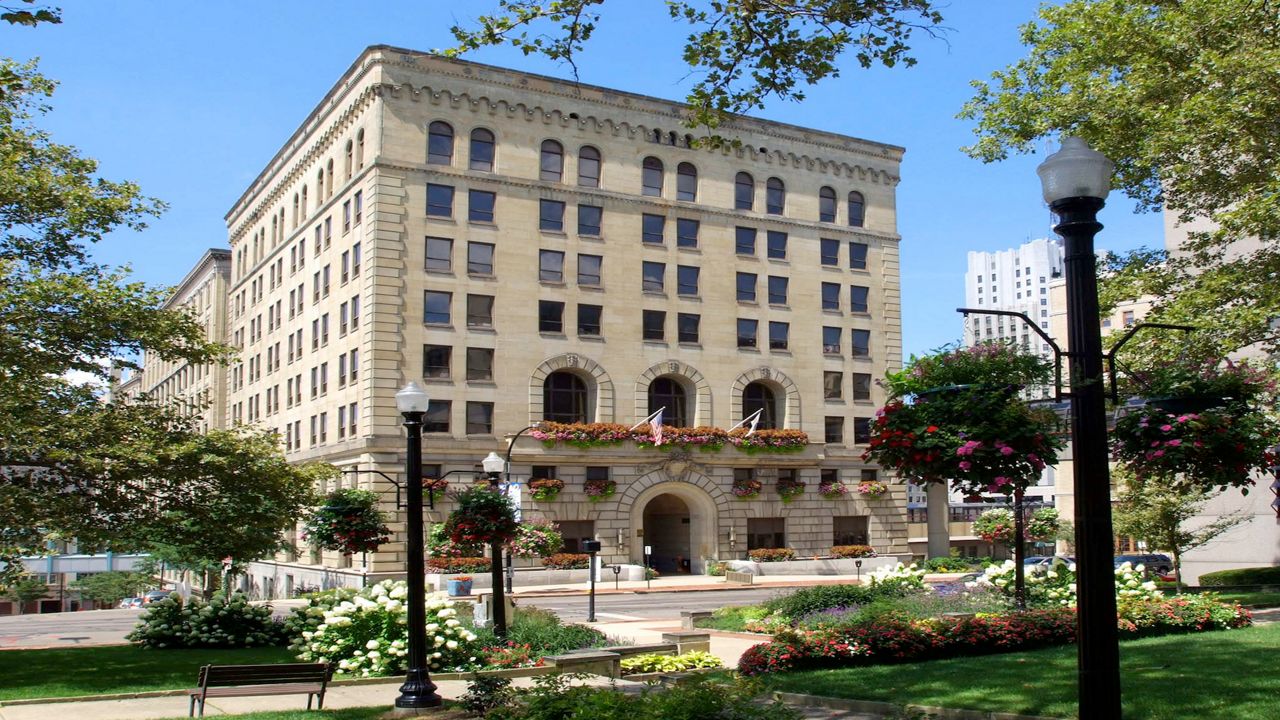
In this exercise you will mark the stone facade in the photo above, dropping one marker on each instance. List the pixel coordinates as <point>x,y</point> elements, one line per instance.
<point>362,261</point>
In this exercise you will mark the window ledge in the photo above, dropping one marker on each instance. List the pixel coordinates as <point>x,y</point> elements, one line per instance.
<point>655,343</point>
<point>482,383</point>
<point>487,224</point>
<point>552,283</point>
<point>441,219</point>
<point>437,325</point>
<point>554,233</point>
<point>553,334</point>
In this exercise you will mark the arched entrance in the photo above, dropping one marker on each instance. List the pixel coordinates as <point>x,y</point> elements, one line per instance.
<point>667,531</point>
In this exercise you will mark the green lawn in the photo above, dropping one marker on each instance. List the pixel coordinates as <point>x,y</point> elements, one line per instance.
<point>116,669</point>
<point>1228,675</point>
<point>1254,599</point>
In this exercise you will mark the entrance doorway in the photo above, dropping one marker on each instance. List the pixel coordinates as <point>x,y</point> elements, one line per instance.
<point>667,532</point>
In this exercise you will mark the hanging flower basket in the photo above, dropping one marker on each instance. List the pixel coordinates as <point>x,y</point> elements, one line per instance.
<point>832,490</point>
<point>349,522</point>
<point>481,516</point>
<point>598,490</point>
<point>997,525</point>
<point>748,489</point>
<point>545,489</point>
<point>789,489</point>
<point>872,489</point>
<point>435,488</point>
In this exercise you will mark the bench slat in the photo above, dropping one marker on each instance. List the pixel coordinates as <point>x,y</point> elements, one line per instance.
<point>254,690</point>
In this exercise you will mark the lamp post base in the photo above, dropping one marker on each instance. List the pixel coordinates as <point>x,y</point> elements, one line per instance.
<point>418,692</point>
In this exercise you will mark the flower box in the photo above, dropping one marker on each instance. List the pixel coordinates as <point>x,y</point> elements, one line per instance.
<point>707,439</point>
<point>545,489</point>
<point>598,490</point>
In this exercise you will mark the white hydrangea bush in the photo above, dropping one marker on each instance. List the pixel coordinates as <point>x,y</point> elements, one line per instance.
<point>220,623</point>
<point>1056,585</point>
<point>367,635</point>
<point>907,577</point>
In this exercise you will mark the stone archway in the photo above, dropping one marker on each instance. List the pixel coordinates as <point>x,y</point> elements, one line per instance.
<point>668,532</point>
<point>678,476</point>
<point>779,383</point>
<point>599,385</point>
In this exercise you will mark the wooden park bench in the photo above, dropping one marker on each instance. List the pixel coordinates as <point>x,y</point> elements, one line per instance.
<point>255,680</point>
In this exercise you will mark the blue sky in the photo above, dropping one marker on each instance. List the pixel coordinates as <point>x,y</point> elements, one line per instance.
<point>191,99</point>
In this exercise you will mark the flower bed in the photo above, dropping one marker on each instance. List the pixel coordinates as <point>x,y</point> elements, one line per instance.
<point>589,435</point>
<point>567,561</point>
<point>853,551</point>
<point>545,489</point>
<point>764,555</point>
<point>451,565</point>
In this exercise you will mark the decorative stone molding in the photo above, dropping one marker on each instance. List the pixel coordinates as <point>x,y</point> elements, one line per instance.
<point>689,376</point>
<point>780,383</point>
<point>600,386</point>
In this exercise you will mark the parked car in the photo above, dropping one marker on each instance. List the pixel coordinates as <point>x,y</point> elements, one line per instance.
<point>129,603</point>
<point>1044,562</point>
<point>151,596</point>
<point>1158,564</point>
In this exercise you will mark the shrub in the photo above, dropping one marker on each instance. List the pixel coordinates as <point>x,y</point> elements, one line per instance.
<point>552,696</point>
<point>715,568</point>
<point>221,623</point>
<point>1184,613</point>
<point>947,564</point>
<point>367,636</point>
<point>536,538</point>
<point>485,693</point>
<point>450,565</point>
<point>542,632</point>
<point>311,615</point>
<point>567,561</point>
<point>655,662</point>
<point>772,554</point>
<point>511,655</point>
<point>1057,584</point>
<point>806,601</point>
<point>853,551</point>
<point>1242,576</point>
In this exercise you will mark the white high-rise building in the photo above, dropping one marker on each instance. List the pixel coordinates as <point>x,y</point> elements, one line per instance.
<point>1016,280</point>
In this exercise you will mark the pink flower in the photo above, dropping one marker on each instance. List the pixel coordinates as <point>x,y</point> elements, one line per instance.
<point>1173,443</point>
<point>1166,428</point>
<point>1006,450</point>
<point>1157,453</point>
<point>965,465</point>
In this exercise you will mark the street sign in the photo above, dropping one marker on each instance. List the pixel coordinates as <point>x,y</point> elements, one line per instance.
<point>648,549</point>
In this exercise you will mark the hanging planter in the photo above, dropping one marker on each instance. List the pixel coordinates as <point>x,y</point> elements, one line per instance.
<point>872,489</point>
<point>435,488</point>
<point>349,522</point>
<point>747,489</point>
<point>997,525</point>
<point>598,490</point>
<point>545,489</point>
<point>832,490</point>
<point>789,489</point>
<point>481,516</point>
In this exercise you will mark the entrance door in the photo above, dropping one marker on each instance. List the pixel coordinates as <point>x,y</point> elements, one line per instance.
<point>666,530</point>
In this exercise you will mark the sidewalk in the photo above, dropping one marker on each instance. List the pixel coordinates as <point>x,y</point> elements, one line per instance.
<point>697,583</point>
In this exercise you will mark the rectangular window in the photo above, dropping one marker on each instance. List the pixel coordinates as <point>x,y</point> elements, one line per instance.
<point>551,215</point>
<point>324,427</point>
<point>687,327</point>
<point>589,220</point>
<point>346,266</point>
<point>777,290</point>
<point>359,203</point>
<point>343,322</point>
<point>436,306</point>
<point>777,243</point>
<point>437,417</point>
<point>342,421</point>
<point>832,385</point>
<point>652,228</point>
<point>653,276</point>
<point>830,251</point>
<point>479,258</point>
<point>589,320</point>
<point>831,340</point>
<point>747,330</point>
<point>435,361</point>
<point>766,533</point>
<point>861,430</point>
<point>550,316</point>
<point>479,418</point>
<point>686,280</point>
<point>746,287</point>
<point>862,386</point>
<point>324,281</point>
<point>439,200</point>
<point>352,418</point>
<point>779,335</point>
<point>833,429</point>
<point>480,205</point>
<point>589,270</point>
<point>439,254</point>
<point>655,324</point>
<point>479,364</point>
<point>850,529</point>
<point>328,234</point>
<point>858,298</point>
<point>346,216</point>
<point>830,296</point>
<point>324,329</point>
<point>575,532</point>
<point>355,312</point>
<point>861,342</point>
<point>687,233</point>
<point>744,240</point>
<point>355,364</point>
<point>356,256</point>
<point>551,266</point>
<point>342,370</point>
<point>480,311</point>
<point>858,256</point>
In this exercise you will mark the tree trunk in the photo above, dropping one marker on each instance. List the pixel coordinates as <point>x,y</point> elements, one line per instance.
<point>1177,572</point>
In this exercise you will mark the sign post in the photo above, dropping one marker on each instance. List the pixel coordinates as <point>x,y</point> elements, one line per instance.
<point>592,547</point>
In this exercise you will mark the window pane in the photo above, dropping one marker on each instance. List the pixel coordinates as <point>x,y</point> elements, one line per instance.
<point>686,280</point>
<point>744,191</point>
<point>832,385</point>
<point>858,298</point>
<point>479,364</point>
<point>862,430</point>
<point>479,418</point>
<point>850,529</point>
<point>589,217</point>
<point>862,386</point>
<point>777,245</point>
<point>653,276</point>
<point>439,200</point>
<point>437,306</point>
<point>589,319</point>
<point>746,333</point>
<point>480,311</point>
<point>830,252</point>
<point>550,266</point>
<point>827,205</point>
<point>777,290</point>
<point>588,167</point>
<point>550,316</point>
<point>551,215</point>
<point>857,207</point>
<point>686,232</point>
<point>833,429</point>
<point>830,296</point>
<point>831,340</point>
<point>858,256</point>
<point>687,327</point>
<point>437,417</point>
<point>745,240</point>
<point>652,228</point>
<point>589,270</point>
<point>686,182</point>
<point>746,287</point>
<point>651,183</point>
<point>779,335</point>
<point>552,164</point>
<point>480,205</point>
<point>439,144</point>
<point>435,361</point>
<point>655,322</point>
<point>481,150</point>
<point>775,200</point>
<point>766,533</point>
<point>479,258</point>
<point>861,342</point>
<point>439,254</point>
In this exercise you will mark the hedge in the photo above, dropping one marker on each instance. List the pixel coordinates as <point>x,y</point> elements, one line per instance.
<point>1242,576</point>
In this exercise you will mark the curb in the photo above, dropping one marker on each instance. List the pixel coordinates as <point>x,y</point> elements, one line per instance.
<point>890,710</point>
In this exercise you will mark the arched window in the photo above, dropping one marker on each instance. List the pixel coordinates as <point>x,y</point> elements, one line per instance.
<point>304,201</point>
<point>826,205</point>
<point>564,398</point>
<point>686,182</point>
<point>275,230</point>
<point>439,143</point>
<point>360,148</point>
<point>744,192</point>
<point>588,167</point>
<point>319,186</point>
<point>775,196</point>
<point>651,182</point>
<point>328,179</point>
<point>482,145</point>
<point>667,392</point>
<point>758,396</point>
<point>296,205</point>
<point>551,167</point>
<point>346,169</point>
<point>857,209</point>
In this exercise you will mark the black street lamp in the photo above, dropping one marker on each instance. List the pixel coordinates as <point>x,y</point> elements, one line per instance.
<point>493,466</point>
<point>1076,180</point>
<point>417,691</point>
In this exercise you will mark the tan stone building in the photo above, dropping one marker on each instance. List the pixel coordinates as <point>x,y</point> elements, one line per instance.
<point>529,248</point>
<point>203,388</point>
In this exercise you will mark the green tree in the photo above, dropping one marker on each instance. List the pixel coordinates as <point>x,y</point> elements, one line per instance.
<point>1158,516</point>
<point>745,51</point>
<point>109,588</point>
<point>1182,96</point>
<point>25,589</point>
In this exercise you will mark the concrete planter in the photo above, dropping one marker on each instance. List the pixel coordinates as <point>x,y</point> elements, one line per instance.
<point>821,566</point>
<point>537,577</point>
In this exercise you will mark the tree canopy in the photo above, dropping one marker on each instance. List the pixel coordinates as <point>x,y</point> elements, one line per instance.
<point>743,51</point>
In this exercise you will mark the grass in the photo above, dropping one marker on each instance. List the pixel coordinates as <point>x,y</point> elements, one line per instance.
<point>117,669</point>
<point>1253,599</point>
<point>1227,675</point>
<point>731,618</point>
